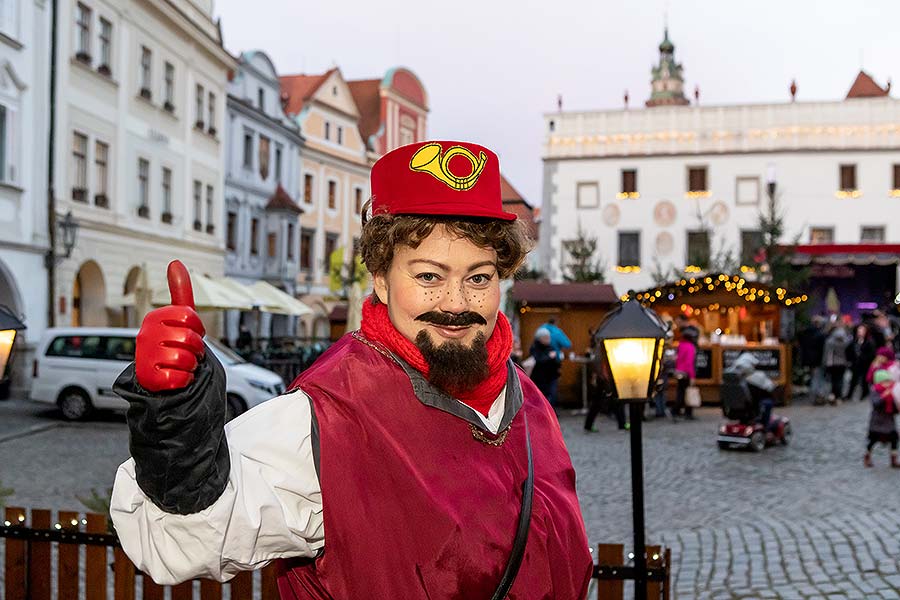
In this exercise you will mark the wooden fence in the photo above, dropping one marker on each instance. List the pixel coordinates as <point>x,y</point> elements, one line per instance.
<point>29,564</point>
<point>612,572</point>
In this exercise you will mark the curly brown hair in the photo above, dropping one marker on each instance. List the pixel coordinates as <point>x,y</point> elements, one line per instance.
<point>381,233</point>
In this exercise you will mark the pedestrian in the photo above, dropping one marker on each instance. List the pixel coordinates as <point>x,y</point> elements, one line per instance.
<point>860,353</point>
<point>685,371</point>
<point>667,368</point>
<point>412,460</point>
<point>885,399</point>
<point>545,373</point>
<point>558,338</point>
<point>812,348</point>
<point>602,395</point>
<point>244,340</point>
<point>834,358</point>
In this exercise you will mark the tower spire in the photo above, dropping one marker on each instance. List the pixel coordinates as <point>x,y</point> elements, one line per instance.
<point>667,84</point>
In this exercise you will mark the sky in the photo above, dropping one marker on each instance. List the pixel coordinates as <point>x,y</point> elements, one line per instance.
<point>491,69</point>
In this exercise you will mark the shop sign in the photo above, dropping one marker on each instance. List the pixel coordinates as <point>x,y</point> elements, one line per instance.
<point>769,359</point>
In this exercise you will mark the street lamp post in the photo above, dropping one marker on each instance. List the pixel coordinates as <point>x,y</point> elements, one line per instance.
<point>10,325</point>
<point>630,343</point>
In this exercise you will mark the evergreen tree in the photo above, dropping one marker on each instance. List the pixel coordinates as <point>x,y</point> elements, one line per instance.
<point>774,256</point>
<point>582,266</point>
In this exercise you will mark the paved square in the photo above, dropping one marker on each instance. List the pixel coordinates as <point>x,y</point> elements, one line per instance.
<point>803,521</point>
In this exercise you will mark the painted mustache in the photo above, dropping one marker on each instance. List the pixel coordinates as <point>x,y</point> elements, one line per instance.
<point>450,320</point>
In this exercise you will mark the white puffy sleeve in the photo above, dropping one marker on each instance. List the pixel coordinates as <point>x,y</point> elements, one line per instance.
<point>271,507</point>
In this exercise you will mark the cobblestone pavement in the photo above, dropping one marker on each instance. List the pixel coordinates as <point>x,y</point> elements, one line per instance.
<point>803,521</point>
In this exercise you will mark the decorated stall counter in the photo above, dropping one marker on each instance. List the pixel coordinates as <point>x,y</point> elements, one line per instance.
<point>734,315</point>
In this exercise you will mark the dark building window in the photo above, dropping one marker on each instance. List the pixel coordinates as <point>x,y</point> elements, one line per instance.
<point>848,178</point>
<point>698,249</point>
<point>358,200</point>
<point>896,177</point>
<point>629,249</point>
<point>697,179</point>
<point>308,188</point>
<point>332,194</point>
<point>751,242</point>
<point>306,245</point>
<point>254,236</point>
<point>290,241</point>
<point>331,240</point>
<point>629,181</point>
<point>231,231</point>
<point>272,239</point>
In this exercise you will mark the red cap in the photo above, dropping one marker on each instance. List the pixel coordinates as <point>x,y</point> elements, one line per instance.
<point>439,178</point>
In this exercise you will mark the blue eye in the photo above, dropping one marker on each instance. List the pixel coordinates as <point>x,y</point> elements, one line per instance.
<point>427,277</point>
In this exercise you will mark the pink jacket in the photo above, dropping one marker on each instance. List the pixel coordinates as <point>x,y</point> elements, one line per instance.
<point>686,358</point>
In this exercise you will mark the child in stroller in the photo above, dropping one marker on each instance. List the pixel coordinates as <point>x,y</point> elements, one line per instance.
<point>747,398</point>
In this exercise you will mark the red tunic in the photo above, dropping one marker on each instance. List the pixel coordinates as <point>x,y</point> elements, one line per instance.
<point>415,507</point>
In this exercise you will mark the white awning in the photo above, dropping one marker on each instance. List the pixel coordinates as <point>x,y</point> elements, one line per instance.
<point>267,297</point>
<point>209,294</point>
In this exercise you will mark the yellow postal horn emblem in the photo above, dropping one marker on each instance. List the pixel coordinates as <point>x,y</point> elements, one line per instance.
<point>430,159</point>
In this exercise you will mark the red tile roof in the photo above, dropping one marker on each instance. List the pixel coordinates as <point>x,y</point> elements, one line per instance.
<point>366,94</point>
<point>300,88</point>
<point>514,202</point>
<point>865,87</point>
<point>508,192</point>
<point>281,200</point>
<point>538,292</point>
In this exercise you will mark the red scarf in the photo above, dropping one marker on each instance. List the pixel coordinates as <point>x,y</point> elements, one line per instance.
<point>377,326</point>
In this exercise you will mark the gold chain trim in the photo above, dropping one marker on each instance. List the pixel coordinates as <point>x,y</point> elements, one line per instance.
<point>490,441</point>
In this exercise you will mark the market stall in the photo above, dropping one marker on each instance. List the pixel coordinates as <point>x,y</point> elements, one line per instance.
<point>734,315</point>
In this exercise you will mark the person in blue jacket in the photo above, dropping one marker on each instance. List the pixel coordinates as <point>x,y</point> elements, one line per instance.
<point>559,342</point>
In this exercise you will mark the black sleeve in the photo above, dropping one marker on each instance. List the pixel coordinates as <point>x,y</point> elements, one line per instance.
<point>178,438</point>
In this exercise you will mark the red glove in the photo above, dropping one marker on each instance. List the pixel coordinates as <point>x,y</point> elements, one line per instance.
<point>170,341</point>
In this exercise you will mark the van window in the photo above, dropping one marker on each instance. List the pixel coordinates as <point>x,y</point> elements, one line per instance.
<point>93,346</point>
<point>120,348</point>
<point>76,346</point>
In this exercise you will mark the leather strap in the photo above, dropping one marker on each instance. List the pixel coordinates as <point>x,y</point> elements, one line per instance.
<point>518,550</point>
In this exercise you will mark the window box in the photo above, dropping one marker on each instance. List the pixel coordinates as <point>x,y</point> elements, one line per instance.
<point>79,194</point>
<point>144,211</point>
<point>211,131</point>
<point>198,125</point>
<point>198,226</point>
<point>146,94</point>
<point>210,228</point>
<point>101,200</point>
<point>104,70</point>
<point>169,107</point>
<point>83,57</point>
<point>166,217</point>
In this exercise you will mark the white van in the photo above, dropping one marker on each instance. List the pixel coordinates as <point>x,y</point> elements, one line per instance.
<point>75,368</point>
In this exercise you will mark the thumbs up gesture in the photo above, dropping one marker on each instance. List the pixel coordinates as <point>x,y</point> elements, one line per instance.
<point>170,341</point>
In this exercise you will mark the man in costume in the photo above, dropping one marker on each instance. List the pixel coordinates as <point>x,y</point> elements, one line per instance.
<point>412,460</point>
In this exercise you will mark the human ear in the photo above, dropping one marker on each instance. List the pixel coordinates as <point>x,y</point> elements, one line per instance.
<point>380,287</point>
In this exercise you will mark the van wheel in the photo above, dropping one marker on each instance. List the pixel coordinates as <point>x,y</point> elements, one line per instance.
<point>234,407</point>
<point>74,404</point>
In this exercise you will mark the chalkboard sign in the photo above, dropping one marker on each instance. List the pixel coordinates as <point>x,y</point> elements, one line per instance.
<point>769,359</point>
<point>703,366</point>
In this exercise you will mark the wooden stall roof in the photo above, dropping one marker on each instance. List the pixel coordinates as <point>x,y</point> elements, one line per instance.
<point>539,292</point>
<point>718,289</point>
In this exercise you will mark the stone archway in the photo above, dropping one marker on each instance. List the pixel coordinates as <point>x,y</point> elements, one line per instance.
<point>9,291</point>
<point>89,297</point>
<point>130,318</point>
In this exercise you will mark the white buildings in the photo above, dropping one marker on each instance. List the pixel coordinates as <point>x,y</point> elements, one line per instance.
<point>262,184</point>
<point>24,97</point>
<point>139,149</point>
<point>673,187</point>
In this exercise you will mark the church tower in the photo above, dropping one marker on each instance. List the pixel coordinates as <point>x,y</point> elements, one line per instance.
<point>667,86</point>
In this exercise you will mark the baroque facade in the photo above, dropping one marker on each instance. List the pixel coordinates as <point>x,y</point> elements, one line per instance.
<point>262,183</point>
<point>24,122</point>
<point>674,189</point>
<point>347,126</point>
<point>139,149</point>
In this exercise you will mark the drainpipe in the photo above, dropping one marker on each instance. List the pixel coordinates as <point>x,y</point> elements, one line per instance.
<point>50,258</point>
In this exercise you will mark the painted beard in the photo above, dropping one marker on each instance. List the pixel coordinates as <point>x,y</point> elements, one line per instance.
<point>453,367</point>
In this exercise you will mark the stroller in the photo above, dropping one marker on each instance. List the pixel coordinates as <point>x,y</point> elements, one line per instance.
<point>744,391</point>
